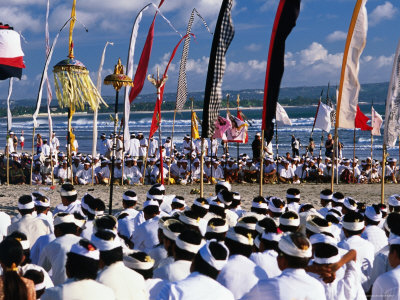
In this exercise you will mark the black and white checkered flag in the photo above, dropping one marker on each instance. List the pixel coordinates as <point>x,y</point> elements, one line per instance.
<point>182,93</point>
<point>223,35</point>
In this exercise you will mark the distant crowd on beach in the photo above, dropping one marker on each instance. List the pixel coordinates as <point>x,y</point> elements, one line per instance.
<point>138,162</point>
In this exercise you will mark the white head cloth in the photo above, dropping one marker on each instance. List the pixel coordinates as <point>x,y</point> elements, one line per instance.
<point>136,264</point>
<point>287,246</point>
<point>271,236</point>
<point>353,226</point>
<point>289,222</point>
<point>129,198</point>
<point>106,245</point>
<point>371,214</point>
<point>207,256</point>
<point>245,240</point>
<point>189,221</point>
<point>218,229</point>
<point>192,248</point>
<point>92,253</point>
<point>65,193</point>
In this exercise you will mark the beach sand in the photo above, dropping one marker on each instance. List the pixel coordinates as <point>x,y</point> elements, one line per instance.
<point>369,193</point>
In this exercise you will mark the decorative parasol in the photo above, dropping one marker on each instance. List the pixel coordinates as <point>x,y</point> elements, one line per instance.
<point>118,79</point>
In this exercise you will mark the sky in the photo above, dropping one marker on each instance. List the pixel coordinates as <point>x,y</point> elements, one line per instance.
<point>314,49</point>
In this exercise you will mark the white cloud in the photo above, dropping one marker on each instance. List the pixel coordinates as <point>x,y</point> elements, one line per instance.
<point>269,5</point>
<point>19,19</point>
<point>382,12</point>
<point>253,47</point>
<point>336,36</point>
<point>289,60</point>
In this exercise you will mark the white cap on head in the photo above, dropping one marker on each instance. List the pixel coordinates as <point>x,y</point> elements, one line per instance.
<point>287,246</point>
<point>237,237</point>
<point>150,202</point>
<point>207,256</point>
<point>106,245</point>
<point>85,248</point>
<point>136,264</point>
<point>393,200</point>
<point>371,214</point>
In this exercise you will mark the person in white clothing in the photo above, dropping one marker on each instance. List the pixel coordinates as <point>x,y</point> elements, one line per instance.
<point>46,149</point>
<point>132,174</point>
<point>206,266</point>
<point>186,246</point>
<point>286,174</point>
<point>54,256</point>
<point>372,232</point>
<point>69,202</point>
<point>126,283</point>
<point>325,201</point>
<point>28,224</point>
<point>143,146</point>
<point>387,285</point>
<point>84,176</point>
<point>353,226</point>
<point>82,265</point>
<point>294,283</point>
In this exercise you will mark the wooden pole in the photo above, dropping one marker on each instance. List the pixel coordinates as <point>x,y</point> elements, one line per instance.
<point>33,150</point>
<point>334,163</point>
<point>69,146</point>
<point>202,169</point>
<point>262,163</point>
<point>191,139</point>
<point>171,148</point>
<point>383,175</point>
<point>52,166</point>
<point>114,148</point>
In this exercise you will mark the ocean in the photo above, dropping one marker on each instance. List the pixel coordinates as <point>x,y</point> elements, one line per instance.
<point>302,118</point>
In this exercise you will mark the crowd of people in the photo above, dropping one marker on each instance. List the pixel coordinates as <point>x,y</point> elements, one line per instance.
<point>210,248</point>
<point>140,163</point>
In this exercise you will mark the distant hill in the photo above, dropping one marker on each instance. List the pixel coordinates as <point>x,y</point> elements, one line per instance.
<point>250,97</point>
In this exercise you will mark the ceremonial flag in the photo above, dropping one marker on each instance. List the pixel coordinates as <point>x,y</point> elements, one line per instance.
<point>242,117</point>
<point>285,21</point>
<point>181,94</point>
<point>361,120</point>
<point>238,131</point>
<point>221,126</point>
<point>392,115</point>
<point>195,126</point>
<point>155,123</point>
<point>323,119</point>
<point>11,55</point>
<point>346,108</point>
<point>143,64</point>
<point>376,122</point>
<point>281,116</point>
<point>223,35</point>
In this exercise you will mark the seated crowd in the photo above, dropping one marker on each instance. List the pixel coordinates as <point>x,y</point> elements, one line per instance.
<point>210,248</point>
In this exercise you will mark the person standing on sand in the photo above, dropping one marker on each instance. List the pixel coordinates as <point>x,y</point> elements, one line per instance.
<point>22,140</point>
<point>329,146</point>
<point>256,146</point>
<point>39,143</point>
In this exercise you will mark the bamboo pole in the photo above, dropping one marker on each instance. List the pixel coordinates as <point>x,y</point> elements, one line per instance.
<point>171,148</point>
<point>261,163</point>
<point>383,174</point>
<point>33,149</point>
<point>334,163</point>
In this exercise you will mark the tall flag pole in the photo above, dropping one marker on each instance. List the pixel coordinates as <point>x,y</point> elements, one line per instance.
<point>285,21</point>
<point>130,60</point>
<point>349,88</point>
<point>392,115</point>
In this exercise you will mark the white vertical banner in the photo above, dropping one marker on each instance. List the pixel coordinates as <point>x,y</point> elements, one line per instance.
<point>281,116</point>
<point>323,120</point>
<point>9,115</point>
<point>392,115</point>
<point>376,122</point>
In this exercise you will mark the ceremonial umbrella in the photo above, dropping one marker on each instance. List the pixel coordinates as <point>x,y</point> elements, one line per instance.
<point>73,86</point>
<point>118,79</point>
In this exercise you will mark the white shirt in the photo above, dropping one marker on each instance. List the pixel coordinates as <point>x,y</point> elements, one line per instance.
<point>31,226</point>
<point>5,221</point>
<point>145,236</point>
<point>195,287</point>
<point>240,275</point>
<point>54,257</point>
<point>381,264</point>
<point>133,173</point>
<point>143,150</point>
<point>153,145</point>
<point>213,147</point>
<point>387,286</point>
<point>126,283</point>
<point>46,150</point>
<point>376,236</point>
<point>83,289</point>
<point>267,261</point>
<point>174,271</point>
<point>134,145</point>
<point>365,257</point>
<point>291,284</point>
<point>71,208</point>
<point>37,248</point>
<point>288,174</point>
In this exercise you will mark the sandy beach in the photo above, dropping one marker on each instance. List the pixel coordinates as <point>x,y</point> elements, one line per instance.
<point>369,193</point>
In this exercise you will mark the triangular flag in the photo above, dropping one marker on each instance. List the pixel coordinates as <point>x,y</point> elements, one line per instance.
<point>361,120</point>
<point>281,116</point>
<point>323,120</point>
<point>376,122</point>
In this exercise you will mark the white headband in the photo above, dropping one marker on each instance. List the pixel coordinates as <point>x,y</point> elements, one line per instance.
<point>337,200</point>
<point>64,219</point>
<point>393,200</point>
<point>217,203</point>
<point>42,203</point>
<point>287,246</point>
<point>394,239</point>
<point>192,248</point>
<point>289,222</point>
<point>249,226</point>
<point>353,226</point>
<point>245,240</point>
<point>198,203</point>
<point>325,197</point>
<point>40,286</point>
<point>104,245</point>
<point>347,204</point>
<point>236,197</point>
<point>290,196</point>
<point>317,229</point>
<point>334,214</point>
<point>93,253</point>
<point>259,229</point>
<point>218,229</point>
<point>170,234</point>
<point>30,205</point>
<point>65,193</point>
<point>155,197</point>
<point>322,238</point>
<point>189,221</point>
<point>97,213</point>
<point>180,201</point>
<point>133,263</point>
<point>275,209</point>
<point>327,261</point>
<point>259,205</point>
<point>371,214</point>
<point>129,198</point>
<point>150,203</point>
<point>270,236</point>
<point>205,253</point>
